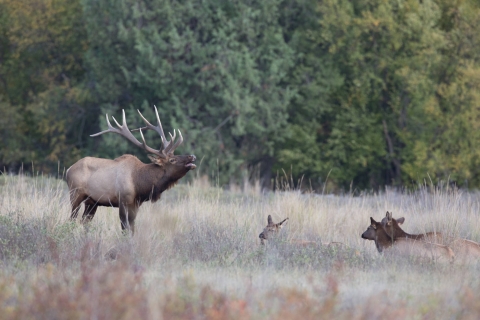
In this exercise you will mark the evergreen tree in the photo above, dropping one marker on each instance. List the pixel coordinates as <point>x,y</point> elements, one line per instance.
<point>215,69</point>
<point>41,92</point>
<point>376,61</point>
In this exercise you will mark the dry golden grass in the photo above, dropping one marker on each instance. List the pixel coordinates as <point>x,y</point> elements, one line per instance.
<point>196,255</point>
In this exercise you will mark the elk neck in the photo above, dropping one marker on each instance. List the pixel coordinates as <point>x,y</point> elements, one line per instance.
<point>396,232</point>
<point>382,240</point>
<point>150,181</point>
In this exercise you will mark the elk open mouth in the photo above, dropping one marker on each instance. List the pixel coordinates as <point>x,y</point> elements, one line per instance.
<point>191,165</point>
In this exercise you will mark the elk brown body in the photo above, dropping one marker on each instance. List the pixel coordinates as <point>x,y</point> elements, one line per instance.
<point>464,249</point>
<point>126,182</point>
<point>406,246</point>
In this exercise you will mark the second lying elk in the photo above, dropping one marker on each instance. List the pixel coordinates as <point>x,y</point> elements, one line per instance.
<point>273,228</point>
<point>392,227</point>
<point>126,182</point>
<point>406,246</point>
<point>464,249</point>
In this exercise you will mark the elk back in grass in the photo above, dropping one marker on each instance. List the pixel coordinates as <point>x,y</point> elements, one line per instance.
<point>272,229</point>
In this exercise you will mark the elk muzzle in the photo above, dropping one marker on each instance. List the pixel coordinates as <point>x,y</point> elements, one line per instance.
<point>190,164</point>
<point>369,234</point>
<point>262,238</point>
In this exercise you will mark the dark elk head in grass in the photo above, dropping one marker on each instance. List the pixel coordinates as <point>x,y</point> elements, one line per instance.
<point>271,229</point>
<point>371,232</point>
<point>126,182</point>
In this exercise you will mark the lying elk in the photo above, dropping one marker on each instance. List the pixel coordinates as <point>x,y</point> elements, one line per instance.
<point>126,182</point>
<point>392,227</point>
<point>273,228</point>
<point>405,246</point>
<point>463,248</point>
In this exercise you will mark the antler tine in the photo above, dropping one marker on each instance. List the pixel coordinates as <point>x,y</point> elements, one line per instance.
<point>177,143</point>
<point>125,132</point>
<point>143,138</point>
<point>172,138</point>
<point>160,126</point>
<point>158,129</point>
<point>167,150</point>
<point>110,128</point>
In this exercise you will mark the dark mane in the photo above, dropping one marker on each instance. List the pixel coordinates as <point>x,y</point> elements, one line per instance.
<point>152,181</point>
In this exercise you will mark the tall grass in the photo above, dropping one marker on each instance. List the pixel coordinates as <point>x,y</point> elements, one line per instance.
<point>196,254</point>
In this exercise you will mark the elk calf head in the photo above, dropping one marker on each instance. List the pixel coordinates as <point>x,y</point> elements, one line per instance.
<point>271,229</point>
<point>389,222</point>
<point>371,232</point>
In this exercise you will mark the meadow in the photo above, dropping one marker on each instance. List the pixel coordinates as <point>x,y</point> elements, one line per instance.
<point>196,255</point>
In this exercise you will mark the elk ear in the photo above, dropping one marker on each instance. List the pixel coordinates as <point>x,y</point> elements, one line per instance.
<point>401,220</point>
<point>389,216</point>
<point>372,221</point>
<point>269,220</point>
<point>156,160</point>
<point>282,222</point>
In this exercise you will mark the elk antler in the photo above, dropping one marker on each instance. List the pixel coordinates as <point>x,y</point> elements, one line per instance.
<point>125,132</point>
<point>168,146</point>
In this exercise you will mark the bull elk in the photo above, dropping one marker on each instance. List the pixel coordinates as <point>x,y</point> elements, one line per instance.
<point>406,246</point>
<point>464,249</point>
<point>273,228</point>
<point>126,182</point>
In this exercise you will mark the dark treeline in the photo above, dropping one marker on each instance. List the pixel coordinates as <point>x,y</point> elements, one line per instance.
<point>366,92</point>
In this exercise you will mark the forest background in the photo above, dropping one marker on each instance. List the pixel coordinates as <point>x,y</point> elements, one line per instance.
<point>362,93</point>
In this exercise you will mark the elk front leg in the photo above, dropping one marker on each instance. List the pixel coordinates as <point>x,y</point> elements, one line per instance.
<point>128,213</point>
<point>89,212</point>
<point>76,200</point>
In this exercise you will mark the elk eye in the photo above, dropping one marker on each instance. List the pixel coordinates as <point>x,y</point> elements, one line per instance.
<point>172,160</point>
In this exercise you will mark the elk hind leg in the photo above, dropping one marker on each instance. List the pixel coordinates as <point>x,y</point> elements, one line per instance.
<point>89,212</point>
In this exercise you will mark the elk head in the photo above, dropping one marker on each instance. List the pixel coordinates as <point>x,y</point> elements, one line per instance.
<point>388,220</point>
<point>175,166</point>
<point>377,233</point>
<point>371,232</point>
<point>392,226</point>
<point>270,229</point>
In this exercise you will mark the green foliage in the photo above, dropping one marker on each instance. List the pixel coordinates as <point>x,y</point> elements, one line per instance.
<point>449,144</point>
<point>369,93</point>
<point>41,72</point>
<point>215,70</point>
<point>393,104</point>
